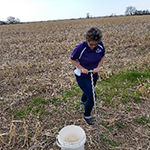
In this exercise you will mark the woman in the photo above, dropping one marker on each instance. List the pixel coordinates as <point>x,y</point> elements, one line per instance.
<point>88,55</point>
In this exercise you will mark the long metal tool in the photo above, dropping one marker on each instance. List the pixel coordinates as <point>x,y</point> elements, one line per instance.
<point>97,125</point>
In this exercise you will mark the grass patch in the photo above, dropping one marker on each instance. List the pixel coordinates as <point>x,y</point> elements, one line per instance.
<point>39,100</point>
<point>122,88</point>
<point>120,125</point>
<point>68,93</point>
<point>142,120</point>
<point>35,107</point>
<point>21,113</point>
<point>31,88</point>
<point>108,142</point>
<point>110,128</point>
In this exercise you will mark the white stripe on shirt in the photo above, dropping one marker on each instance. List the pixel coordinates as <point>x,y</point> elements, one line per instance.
<point>82,53</point>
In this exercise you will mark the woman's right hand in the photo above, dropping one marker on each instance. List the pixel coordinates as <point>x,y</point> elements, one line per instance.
<point>85,71</point>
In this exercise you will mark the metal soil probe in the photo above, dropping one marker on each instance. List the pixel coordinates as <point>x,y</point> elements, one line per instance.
<point>97,126</point>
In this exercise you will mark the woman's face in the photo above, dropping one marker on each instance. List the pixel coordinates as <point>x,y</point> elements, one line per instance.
<point>92,44</point>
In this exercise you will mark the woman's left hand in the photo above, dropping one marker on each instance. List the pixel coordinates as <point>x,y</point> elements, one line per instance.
<point>96,70</point>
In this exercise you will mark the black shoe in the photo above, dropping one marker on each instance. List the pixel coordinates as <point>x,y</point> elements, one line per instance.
<point>89,121</point>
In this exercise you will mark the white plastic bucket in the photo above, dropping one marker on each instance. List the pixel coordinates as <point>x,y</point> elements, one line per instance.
<point>71,138</point>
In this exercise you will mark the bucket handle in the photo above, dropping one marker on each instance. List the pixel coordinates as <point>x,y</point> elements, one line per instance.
<point>57,142</point>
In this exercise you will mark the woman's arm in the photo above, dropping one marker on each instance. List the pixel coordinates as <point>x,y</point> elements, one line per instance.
<point>75,63</point>
<point>97,69</point>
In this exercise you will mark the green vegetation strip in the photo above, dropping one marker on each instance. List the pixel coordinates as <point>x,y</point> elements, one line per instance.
<point>123,87</point>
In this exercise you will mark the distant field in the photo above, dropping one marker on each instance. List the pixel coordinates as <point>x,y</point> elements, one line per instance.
<point>35,72</point>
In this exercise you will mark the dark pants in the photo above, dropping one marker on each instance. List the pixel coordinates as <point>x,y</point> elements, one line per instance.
<point>87,96</point>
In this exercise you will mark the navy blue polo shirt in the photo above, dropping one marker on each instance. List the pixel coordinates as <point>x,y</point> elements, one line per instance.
<point>88,58</point>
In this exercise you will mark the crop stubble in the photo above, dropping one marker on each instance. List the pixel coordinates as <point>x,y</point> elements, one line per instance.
<point>34,58</point>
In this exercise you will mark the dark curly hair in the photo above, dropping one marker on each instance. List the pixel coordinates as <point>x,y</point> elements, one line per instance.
<point>93,34</point>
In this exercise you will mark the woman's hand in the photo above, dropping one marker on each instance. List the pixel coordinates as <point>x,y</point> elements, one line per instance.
<point>96,70</point>
<point>85,71</point>
<point>99,67</point>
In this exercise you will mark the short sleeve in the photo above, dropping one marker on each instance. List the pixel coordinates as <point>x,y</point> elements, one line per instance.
<point>76,52</point>
<point>103,49</point>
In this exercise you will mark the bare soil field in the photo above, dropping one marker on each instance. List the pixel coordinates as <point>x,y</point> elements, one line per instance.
<point>35,70</point>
